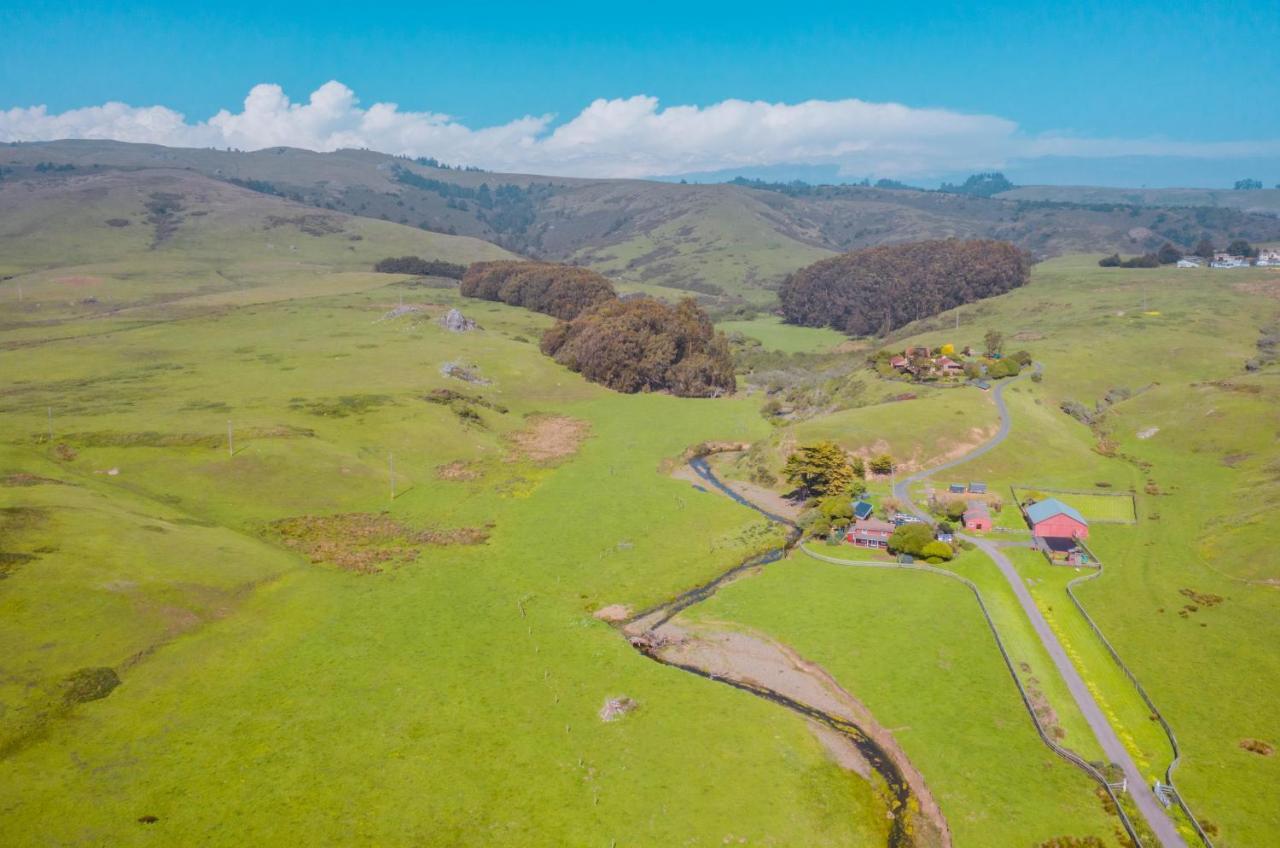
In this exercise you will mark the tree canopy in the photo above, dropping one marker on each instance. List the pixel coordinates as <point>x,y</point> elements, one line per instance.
<point>644,345</point>
<point>421,267</point>
<point>878,289</point>
<point>562,291</point>
<point>820,469</point>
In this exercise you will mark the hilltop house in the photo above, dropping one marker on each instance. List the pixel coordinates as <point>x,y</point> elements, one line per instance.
<point>1052,519</point>
<point>871,533</point>
<point>977,517</point>
<point>949,367</point>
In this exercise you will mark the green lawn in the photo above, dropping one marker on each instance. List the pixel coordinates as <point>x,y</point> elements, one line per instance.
<point>914,648</point>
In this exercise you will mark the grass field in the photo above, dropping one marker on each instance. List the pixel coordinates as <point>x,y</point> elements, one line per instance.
<point>271,691</point>
<point>269,694</point>
<point>787,338</point>
<point>935,679</point>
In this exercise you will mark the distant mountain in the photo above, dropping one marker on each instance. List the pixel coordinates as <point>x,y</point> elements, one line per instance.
<point>730,242</point>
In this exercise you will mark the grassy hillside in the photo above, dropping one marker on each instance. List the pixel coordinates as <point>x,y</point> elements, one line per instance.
<point>92,253</point>
<point>728,242</point>
<point>453,696</point>
<point>1189,592</point>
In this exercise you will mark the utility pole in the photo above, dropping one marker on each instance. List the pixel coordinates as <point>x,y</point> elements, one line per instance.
<point>231,446</point>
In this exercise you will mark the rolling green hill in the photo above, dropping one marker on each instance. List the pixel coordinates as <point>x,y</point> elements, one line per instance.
<point>731,242</point>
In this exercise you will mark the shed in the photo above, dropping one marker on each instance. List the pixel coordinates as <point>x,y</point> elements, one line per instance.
<point>1052,518</point>
<point>977,517</point>
<point>977,488</point>
<point>862,510</point>
<point>956,488</point>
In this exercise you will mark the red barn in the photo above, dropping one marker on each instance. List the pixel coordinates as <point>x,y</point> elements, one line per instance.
<point>977,517</point>
<point>1052,519</point>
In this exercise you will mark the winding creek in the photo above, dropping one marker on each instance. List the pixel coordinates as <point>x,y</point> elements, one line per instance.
<point>650,632</point>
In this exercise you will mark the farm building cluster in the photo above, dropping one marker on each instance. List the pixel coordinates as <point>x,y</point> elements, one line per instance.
<point>920,363</point>
<point>1265,258</point>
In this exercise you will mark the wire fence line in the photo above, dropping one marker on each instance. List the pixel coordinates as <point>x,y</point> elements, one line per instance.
<point>1066,753</point>
<point>1133,678</point>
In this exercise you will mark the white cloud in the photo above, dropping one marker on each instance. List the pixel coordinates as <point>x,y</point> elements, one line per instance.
<point>630,137</point>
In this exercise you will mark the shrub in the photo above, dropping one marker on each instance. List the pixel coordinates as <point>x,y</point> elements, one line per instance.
<point>1112,261</point>
<point>911,538</point>
<point>561,291</point>
<point>882,464</point>
<point>642,345</point>
<point>936,551</point>
<point>878,289</point>
<point>1168,254</point>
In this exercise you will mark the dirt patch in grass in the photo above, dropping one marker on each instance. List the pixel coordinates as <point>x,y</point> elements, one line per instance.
<point>458,471</point>
<point>89,684</point>
<point>340,407</point>
<point>1043,709</point>
<point>548,438</point>
<point>613,613</point>
<point>1257,746</point>
<point>616,708</point>
<point>363,542</point>
<point>79,281</point>
<point>20,479</point>
<point>152,439</point>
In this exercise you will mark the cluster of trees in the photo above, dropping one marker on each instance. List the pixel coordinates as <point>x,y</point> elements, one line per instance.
<point>561,291</point>
<point>1169,254</point>
<point>640,344</point>
<point>419,266</point>
<point>980,185</point>
<point>1248,184</point>
<point>878,289</point>
<point>917,540</point>
<point>508,208</point>
<point>823,469</point>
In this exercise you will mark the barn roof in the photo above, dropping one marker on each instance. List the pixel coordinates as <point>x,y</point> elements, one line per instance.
<point>1050,507</point>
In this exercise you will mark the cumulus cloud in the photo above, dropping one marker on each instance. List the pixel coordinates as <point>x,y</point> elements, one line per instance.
<point>625,137</point>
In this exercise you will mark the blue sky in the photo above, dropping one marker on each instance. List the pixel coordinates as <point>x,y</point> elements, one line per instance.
<point>1173,71</point>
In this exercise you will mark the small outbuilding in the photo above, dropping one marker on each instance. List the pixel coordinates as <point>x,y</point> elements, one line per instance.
<point>956,488</point>
<point>977,517</point>
<point>862,510</point>
<point>977,488</point>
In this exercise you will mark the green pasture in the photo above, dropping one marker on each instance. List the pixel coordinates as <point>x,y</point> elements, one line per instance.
<point>773,334</point>
<point>914,648</point>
